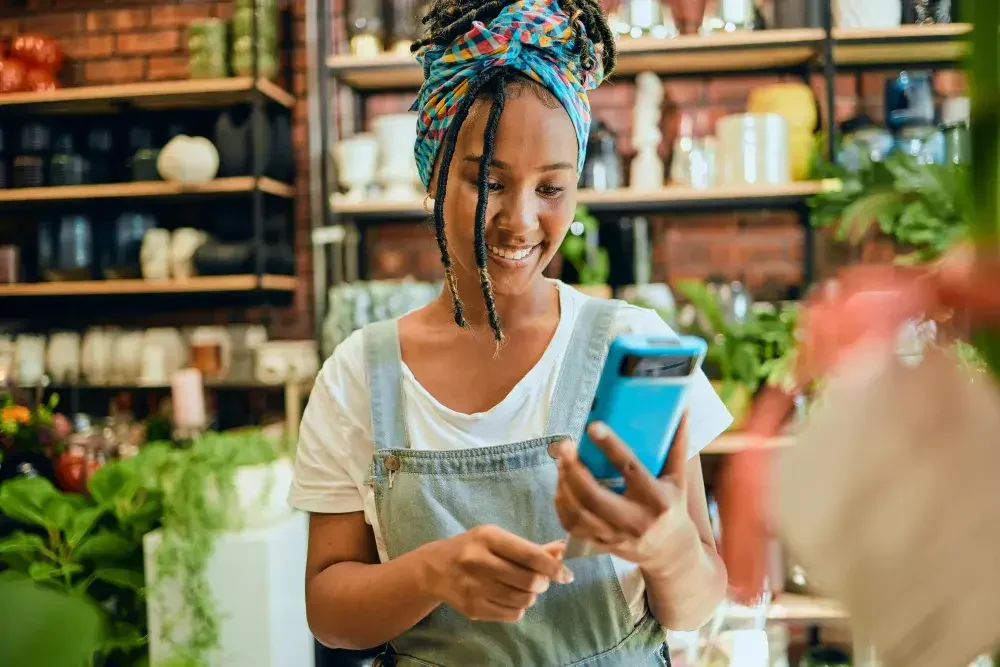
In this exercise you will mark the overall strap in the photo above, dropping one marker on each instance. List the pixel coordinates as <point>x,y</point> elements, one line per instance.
<point>383,364</point>
<point>581,368</point>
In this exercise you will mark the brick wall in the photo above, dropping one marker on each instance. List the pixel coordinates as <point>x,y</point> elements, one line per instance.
<point>119,41</point>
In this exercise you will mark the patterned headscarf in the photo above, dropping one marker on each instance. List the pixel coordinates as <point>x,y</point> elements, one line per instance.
<point>535,37</point>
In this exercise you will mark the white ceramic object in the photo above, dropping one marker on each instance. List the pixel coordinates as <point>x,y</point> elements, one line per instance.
<point>154,254</point>
<point>868,14</point>
<point>753,149</point>
<point>282,362</point>
<point>255,578</point>
<point>30,359</point>
<point>188,160</point>
<point>62,358</point>
<point>183,243</point>
<point>357,165</point>
<point>157,367</point>
<point>96,355</point>
<point>8,355</point>
<point>127,364</point>
<point>647,170</point>
<point>398,173</point>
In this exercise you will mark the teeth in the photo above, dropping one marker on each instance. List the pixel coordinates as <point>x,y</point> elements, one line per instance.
<point>510,253</point>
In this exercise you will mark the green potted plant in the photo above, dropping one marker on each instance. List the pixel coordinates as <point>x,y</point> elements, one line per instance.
<point>30,435</point>
<point>590,261</point>
<point>743,356</point>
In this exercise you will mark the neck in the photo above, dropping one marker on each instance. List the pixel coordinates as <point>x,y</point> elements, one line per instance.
<point>514,310</point>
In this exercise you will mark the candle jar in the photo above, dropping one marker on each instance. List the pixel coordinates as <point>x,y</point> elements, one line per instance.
<point>366,27</point>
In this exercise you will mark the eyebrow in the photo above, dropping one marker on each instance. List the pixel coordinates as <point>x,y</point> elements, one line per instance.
<point>476,159</point>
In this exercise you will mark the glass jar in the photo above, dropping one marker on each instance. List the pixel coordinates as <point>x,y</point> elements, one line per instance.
<point>366,27</point>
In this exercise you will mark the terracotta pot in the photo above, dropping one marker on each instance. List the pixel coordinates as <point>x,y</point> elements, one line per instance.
<point>38,80</point>
<point>39,51</point>
<point>688,14</point>
<point>12,75</point>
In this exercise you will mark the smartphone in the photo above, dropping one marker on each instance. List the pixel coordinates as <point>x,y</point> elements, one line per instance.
<point>641,396</point>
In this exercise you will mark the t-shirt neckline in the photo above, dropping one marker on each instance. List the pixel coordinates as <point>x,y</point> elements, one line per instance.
<point>559,341</point>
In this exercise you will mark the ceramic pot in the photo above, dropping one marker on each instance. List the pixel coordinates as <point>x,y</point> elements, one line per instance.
<point>154,255</point>
<point>396,134</point>
<point>357,164</point>
<point>62,359</point>
<point>30,359</point>
<point>870,14</point>
<point>753,149</point>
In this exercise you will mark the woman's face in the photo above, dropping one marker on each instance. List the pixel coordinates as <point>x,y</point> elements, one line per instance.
<point>532,190</point>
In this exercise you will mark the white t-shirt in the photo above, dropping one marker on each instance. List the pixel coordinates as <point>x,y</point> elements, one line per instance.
<point>335,439</point>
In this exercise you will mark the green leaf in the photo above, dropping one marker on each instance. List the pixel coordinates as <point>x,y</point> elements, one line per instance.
<point>42,627</point>
<point>43,571</point>
<point>127,579</point>
<point>82,524</point>
<point>22,543</point>
<point>104,545</point>
<point>859,217</point>
<point>24,499</point>
<point>61,511</point>
<point>113,482</point>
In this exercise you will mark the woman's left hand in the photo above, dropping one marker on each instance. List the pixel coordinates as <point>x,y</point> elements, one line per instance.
<point>617,523</point>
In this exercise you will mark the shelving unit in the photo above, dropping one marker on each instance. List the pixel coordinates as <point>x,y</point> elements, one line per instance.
<point>262,194</point>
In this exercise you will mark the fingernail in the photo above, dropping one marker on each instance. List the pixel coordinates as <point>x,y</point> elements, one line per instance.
<point>566,576</point>
<point>598,430</point>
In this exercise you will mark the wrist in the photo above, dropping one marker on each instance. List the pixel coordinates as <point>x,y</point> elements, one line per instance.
<point>433,565</point>
<point>670,548</point>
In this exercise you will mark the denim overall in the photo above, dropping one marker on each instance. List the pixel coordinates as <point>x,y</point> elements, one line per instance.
<point>422,496</point>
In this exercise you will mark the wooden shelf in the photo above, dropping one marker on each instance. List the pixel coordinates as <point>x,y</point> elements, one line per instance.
<point>790,608</point>
<point>245,283</point>
<point>687,54</point>
<point>907,45</point>
<point>144,189</point>
<point>735,442</point>
<point>189,93</point>
<point>663,199</point>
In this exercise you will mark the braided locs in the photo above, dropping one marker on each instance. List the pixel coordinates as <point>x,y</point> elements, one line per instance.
<point>445,21</point>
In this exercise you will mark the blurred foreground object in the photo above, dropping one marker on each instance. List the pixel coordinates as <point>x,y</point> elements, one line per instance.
<point>41,627</point>
<point>888,497</point>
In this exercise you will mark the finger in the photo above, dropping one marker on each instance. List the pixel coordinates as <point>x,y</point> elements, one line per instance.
<point>581,522</point>
<point>556,549</point>
<point>642,486</point>
<point>529,555</point>
<point>487,610</point>
<point>676,464</point>
<point>514,576</point>
<point>503,595</point>
<point>622,514</point>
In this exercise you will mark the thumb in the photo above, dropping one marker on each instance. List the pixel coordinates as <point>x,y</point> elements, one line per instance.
<point>555,549</point>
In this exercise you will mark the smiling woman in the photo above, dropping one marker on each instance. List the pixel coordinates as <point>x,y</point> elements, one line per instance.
<point>427,453</point>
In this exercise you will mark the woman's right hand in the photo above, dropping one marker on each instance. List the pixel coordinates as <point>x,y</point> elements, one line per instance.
<point>490,574</point>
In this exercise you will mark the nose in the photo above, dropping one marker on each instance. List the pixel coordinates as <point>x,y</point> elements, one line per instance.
<point>518,215</point>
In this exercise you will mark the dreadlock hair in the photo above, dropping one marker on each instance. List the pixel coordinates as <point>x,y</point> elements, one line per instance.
<point>444,22</point>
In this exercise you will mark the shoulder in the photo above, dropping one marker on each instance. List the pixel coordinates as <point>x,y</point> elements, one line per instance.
<point>631,319</point>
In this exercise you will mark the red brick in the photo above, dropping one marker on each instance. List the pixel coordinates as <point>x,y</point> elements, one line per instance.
<point>950,83</point>
<point>685,93</point>
<point>118,70</point>
<point>161,41</point>
<point>167,68</point>
<point>57,25</point>
<point>87,47</point>
<point>117,20</point>
<point>735,90</point>
<point>176,16</point>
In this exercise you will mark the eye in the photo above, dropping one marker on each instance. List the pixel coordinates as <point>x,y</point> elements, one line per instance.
<point>495,186</point>
<point>550,191</point>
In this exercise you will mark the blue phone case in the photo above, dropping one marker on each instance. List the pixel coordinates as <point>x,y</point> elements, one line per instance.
<point>643,411</point>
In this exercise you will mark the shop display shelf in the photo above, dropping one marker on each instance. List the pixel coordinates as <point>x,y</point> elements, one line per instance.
<point>183,94</point>
<point>768,50</point>
<point>735,442</point>
<point>792,608</point>
<point>198,284</point>
<point>145,190</point>
<point>669,198</point>
<point>906,46</point>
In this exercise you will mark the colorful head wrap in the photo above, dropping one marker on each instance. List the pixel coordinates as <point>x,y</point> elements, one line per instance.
<point>534,37</point>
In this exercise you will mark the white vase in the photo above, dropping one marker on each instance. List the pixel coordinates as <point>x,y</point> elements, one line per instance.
<point>62,358</point>
<point>183,244</point>
<point>870,14</point>
<point>154,254</point>
<point>96,355</point>
<point>398,173</point>
<point>357,164</point>
<point>30,359</point>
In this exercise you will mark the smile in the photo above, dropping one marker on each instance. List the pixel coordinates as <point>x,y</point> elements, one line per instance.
<point>511,254</point>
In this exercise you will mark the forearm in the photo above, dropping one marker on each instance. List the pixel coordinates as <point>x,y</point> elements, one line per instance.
<point>359,606</point>
<point>684,589</point>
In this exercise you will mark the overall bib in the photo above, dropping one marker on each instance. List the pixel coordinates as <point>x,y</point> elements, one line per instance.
<point>423,496</point>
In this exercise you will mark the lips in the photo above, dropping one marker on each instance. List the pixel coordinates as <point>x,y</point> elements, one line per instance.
<point>513,254</point>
